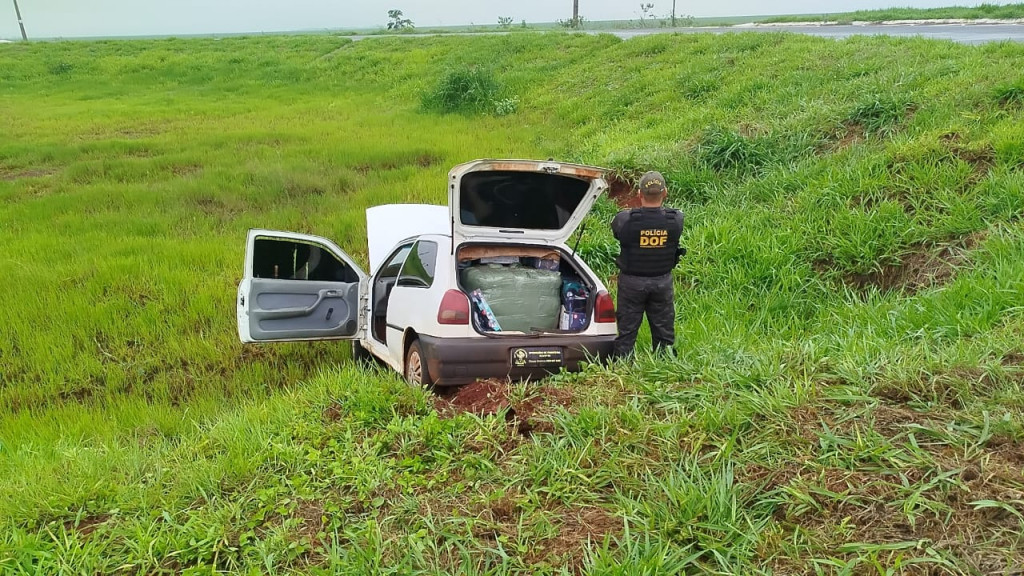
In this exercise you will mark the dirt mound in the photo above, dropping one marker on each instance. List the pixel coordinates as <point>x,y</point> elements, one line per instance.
<point>622,191</point>
<point>524,409</point>
<point>483,397</point>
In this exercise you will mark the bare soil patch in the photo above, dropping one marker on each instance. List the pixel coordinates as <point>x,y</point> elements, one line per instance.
<point>577,529</point>
<point>935,506</point>
<point>844,136</point>
<point>951,386</point>
<point>483,397</point>
<point>312,514</point>
<point>131,133</point>
<point>921,266</point>
<point>333,413</point>
<point>186,170</point>
<point>840,138</point>
<point>980,158</point>
<point>213,206</point>
<point>622,191</point>
<point>423,160</point>
<point>87,524</point>
<point>493,397</point>
<point>852,134</point>
<point>12,175</point>
<point>427,160</point>
<point>298,190</point>
<point>1012,360</point>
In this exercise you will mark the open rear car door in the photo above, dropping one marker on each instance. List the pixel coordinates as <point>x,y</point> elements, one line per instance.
<point>299,287</point>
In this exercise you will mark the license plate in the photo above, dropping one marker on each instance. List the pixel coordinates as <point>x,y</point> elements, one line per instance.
<point>536,357</point>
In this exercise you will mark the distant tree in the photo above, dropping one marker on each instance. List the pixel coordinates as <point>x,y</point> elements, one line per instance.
<point>646,11</point>
<point>576,21</point>
<point>505,21</point>
<point>398,22</point>
<point>576,24</point>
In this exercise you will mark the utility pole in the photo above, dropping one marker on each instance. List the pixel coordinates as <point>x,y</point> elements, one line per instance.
<point>575,13</point>
<point>673,13</point>
<point>20,21</point>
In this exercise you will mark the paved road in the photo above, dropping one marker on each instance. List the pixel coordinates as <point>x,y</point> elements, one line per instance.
<point>962,33</point>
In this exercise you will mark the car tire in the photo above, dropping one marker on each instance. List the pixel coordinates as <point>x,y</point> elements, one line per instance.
<point>416,372</point>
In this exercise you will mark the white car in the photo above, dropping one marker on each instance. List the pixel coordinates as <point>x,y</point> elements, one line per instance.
<point>487,287</point>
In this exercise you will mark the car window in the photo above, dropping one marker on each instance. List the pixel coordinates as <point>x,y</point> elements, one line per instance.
<point>509,199</point>
<point>393,264</point>
<point>419,265</point>
<point>287,259</point>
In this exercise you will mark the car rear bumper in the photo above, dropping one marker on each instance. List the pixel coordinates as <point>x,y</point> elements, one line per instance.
<point>454,361</point>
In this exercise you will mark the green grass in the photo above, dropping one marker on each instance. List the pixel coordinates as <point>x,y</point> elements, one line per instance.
<point>660,21</point>
<point>847,396</point>
<point>982,11</point>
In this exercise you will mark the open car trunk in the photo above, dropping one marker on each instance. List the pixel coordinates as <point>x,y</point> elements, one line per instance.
<point>519,199</point>
<point>524,289</point>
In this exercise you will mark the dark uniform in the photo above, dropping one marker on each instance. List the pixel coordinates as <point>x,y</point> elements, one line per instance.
<point>649,242</point>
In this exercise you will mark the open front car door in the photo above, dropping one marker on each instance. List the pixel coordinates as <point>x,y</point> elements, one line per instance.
<point>299,287</point>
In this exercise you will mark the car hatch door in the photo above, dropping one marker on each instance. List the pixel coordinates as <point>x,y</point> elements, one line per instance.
<point>522,200</point>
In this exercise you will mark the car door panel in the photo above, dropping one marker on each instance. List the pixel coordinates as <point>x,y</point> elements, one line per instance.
<point>298,287</point>
<point>296,309</point>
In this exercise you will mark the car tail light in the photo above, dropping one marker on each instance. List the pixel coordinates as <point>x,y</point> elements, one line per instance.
<point>604,310</point>
<point>454,308</point>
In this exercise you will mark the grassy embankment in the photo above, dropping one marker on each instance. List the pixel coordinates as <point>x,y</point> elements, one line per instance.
<point>847,396</point>
<point>659,21</point>
<point>983,11</point>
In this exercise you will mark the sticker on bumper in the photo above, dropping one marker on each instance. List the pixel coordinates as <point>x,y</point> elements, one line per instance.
<point>536,357</point>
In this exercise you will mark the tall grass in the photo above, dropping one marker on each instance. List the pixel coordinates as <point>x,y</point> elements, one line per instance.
<point>847,391</point>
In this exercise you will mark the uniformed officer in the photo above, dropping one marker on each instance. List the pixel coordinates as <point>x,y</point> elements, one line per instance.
<point>649,249</point>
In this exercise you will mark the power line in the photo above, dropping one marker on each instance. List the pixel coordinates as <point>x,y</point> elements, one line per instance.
<point>21,22</point>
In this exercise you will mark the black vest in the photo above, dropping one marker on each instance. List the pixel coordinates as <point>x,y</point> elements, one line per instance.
<point>650,242</point>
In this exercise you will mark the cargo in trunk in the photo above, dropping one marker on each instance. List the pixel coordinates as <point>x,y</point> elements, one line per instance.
<point>521,298</point>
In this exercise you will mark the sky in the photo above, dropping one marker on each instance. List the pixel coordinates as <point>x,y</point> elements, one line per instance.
<point>76,18</point>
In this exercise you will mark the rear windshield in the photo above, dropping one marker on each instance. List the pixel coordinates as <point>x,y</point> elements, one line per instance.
<point>509,199</point>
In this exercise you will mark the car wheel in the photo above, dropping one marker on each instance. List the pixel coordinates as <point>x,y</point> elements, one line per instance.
<point>416,372</point>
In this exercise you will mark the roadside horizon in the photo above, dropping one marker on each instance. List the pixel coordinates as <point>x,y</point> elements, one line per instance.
<point>1014,12</point>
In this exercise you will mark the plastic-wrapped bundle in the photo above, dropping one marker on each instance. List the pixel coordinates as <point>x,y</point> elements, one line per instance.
<point>521,298</point>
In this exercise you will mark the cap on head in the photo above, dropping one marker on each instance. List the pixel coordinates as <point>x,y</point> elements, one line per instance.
<point>652,184</point>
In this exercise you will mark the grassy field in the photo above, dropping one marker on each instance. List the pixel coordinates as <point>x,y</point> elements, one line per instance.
<point>659,21</point>
<point>983,11</point>
<point>847,397</point>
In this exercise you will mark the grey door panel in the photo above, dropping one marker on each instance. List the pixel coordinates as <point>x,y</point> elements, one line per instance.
<point>296,309</point>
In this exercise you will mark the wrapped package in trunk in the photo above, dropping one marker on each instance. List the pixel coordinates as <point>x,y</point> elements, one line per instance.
<point>520,297</point>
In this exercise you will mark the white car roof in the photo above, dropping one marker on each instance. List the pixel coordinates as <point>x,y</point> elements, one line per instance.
<point>389,224</point>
